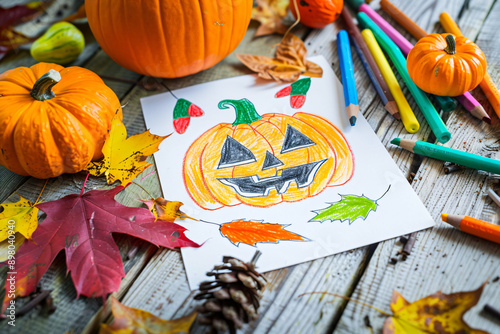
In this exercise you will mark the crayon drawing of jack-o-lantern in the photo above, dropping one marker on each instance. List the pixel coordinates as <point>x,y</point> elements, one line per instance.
<point>265,160</point>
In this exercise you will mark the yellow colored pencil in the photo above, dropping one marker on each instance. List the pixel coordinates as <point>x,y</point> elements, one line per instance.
<point>487,84</point>
<point>407,116</point>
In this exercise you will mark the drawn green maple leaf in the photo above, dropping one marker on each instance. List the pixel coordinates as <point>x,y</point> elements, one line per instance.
<point>350,208</point>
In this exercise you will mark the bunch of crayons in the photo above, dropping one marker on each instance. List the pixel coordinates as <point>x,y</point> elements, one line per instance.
<point>378,35</point>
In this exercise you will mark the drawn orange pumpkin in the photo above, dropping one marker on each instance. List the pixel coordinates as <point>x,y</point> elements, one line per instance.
<point>265,160</point>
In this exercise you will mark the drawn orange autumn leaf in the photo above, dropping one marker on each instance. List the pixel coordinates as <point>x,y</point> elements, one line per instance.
<point>251,232</point>
<point>134,321</point>
<point>124,158</point>
<point>288,65</point>
<point>270,14</point>
<point>437,313</point>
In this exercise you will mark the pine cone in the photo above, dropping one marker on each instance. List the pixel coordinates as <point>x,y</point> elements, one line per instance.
<point>233,298</point>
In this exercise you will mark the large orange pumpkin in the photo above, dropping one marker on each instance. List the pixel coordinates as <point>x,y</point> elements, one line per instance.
<point>48,127</point>
<point>317,13</point>
<point>165,38</point>
<point>442,64</point>
<point>265,160</point>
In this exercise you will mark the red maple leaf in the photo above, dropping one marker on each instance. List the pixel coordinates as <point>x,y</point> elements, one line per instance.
<point>82,225</point>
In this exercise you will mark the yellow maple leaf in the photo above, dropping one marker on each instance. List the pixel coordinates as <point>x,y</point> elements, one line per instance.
<point>270,14</point>
<point>129,320</point>
<point>21,216</point>
<point>164,209</point>
<point>124,158</point>
<point>437,313</point>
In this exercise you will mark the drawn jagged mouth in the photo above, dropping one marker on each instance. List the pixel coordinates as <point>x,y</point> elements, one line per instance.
<point>254,186</point>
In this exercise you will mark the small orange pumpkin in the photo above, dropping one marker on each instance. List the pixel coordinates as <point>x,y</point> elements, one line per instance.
<point>442,64</point>
<point>265,160</point>
<point>165,38</point>
<point>317,13</point>
<point>54,120</point>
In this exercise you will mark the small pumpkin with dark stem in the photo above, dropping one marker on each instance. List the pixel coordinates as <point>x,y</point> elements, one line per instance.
<point>446,65</point>
<point>265,160</point>
<point>54,120</point>
<point>316,13</point>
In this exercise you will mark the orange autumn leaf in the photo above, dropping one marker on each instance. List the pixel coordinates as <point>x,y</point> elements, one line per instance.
<point>80,14</point>
<point>134,321</point>
<point>437,313</point>
<point>124,158</point>
<point>251,232</point>
<point>288,65</point>
<point>270,14</point>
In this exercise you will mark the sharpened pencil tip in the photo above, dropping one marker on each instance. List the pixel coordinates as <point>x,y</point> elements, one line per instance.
<point>396,141</point>
<point>444,217</point>
<point>392,108</point>
<point>352,120</point>
<point>487,120</point>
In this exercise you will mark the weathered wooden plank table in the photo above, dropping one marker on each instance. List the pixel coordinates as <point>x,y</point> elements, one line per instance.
<point>442,258</point>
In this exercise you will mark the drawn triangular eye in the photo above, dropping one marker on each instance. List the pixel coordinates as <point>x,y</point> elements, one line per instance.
<point>294,140</point>
<point>234,154</point>
<point>271,161</point>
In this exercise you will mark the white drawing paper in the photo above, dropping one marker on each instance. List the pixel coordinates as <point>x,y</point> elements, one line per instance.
<point>399,210</point>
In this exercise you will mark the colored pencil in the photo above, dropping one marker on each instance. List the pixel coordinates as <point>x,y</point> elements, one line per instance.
<point>466,100</point>
<point>402,19</point>
<point>487,85</point>
<point>474,226</point>
<point>407,116</point>
<point>347,73</point>
<point>449,154</point>
<point>354,4</point>
<point>431,115</point>
<point>494,196</point>
<point>370,65</point>
<point>446,103</point>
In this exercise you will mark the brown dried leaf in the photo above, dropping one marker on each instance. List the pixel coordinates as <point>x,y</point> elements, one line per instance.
<point>290,62</point>
<point>135,321</point>
<point>313,70</point>
<point>270,14</point>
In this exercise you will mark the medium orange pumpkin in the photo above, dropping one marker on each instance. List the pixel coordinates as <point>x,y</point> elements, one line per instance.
<point>446,65</point>
<point>50,127</point>
<point>265,160</point>
<point>317,13</point>
<point>165,38</point>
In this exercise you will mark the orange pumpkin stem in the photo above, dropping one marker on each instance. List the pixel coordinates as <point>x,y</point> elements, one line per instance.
<point>42,89</point>
<point>451,49</point>
<point>245,111</point>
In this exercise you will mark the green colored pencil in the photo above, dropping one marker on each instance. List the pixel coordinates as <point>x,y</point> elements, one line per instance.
<point>449,154</point>
<point>431,115</point>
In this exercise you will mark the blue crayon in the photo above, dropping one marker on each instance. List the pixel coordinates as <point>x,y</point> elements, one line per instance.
<point>347,72</point>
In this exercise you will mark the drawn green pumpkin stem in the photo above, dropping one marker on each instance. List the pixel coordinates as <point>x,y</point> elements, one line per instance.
<point>245,111</point>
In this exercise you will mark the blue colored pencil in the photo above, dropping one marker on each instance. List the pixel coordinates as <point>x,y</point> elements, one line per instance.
<point>347,72</point>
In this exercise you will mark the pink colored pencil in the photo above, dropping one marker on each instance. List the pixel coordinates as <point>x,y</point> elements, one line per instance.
<point>393,34</point>
<point>466,100</point>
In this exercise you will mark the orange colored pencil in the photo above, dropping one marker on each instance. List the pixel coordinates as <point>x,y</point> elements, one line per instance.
<point>402,19</point>
<point>474,226</point>
<point>487,85</point>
